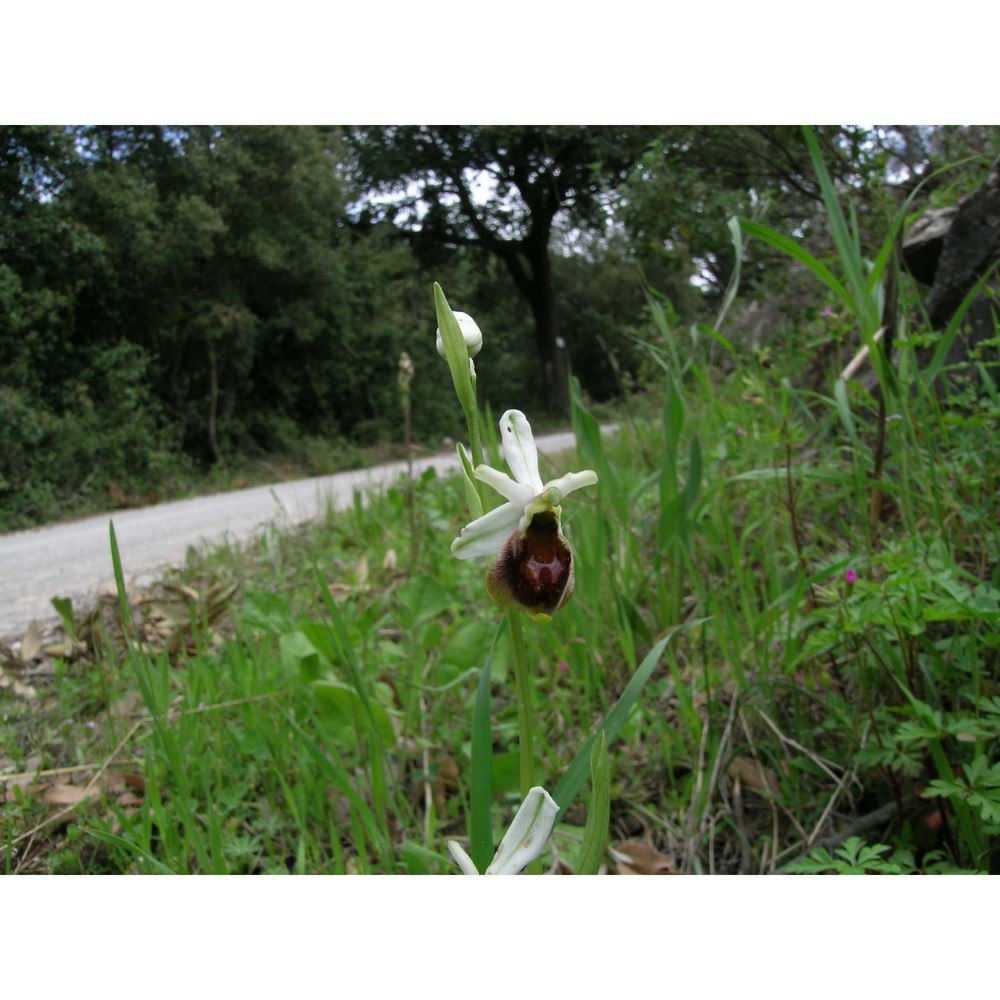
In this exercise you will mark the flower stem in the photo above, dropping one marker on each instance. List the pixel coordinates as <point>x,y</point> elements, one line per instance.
<point>525,712</point>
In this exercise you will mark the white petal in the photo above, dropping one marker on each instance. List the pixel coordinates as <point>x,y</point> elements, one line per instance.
<point>528,833</point>
<point>519,449</point>
<point>516,493</point>
<point>571,482</point>
<point>485,536</point>
<point>461,858</point>
<point>471,334</point>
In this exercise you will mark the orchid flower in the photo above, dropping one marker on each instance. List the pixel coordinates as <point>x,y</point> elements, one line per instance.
<point>534,564</point>
<point>524,840</point>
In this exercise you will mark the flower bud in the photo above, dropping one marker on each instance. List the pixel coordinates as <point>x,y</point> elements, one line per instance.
<point>470,332</point>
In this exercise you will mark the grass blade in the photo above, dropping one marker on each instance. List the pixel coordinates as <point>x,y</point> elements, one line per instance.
<point>595,836</point>
<point>481,781</point>
<point>576,773</point>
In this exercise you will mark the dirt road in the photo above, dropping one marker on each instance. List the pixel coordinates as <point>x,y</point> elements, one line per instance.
<point>74,559</point>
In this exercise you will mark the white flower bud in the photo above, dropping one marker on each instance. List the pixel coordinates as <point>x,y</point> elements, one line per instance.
<point>470,331</point>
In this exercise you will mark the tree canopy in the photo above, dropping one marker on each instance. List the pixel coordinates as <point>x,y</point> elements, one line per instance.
<point>171,296</point>
<point>499,190</point>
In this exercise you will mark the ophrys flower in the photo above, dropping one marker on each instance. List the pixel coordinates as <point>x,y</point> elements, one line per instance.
<point>534,563</point>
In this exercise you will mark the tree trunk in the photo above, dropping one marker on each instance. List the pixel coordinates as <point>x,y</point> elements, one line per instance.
<point>213,405</point>
<point>552,352</point>
<point>530,269</point>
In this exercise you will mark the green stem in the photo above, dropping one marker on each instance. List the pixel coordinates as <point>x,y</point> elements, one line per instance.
<point>475,438</point>
<point>476,446</point>
<point>525,713</point>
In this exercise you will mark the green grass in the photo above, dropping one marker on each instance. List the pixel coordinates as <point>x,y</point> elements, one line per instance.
<point>319,719</point>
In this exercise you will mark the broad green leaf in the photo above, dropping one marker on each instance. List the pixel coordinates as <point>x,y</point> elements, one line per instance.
<point>423,597</point>
<point>300,658</point>
<point>340,705</point>
<point>266,611</point>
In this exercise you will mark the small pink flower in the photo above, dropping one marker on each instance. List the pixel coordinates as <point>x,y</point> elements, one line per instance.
<point>851,577</point>
<point>827,313</point>
<point>563,666</point>
<point>740,433</point>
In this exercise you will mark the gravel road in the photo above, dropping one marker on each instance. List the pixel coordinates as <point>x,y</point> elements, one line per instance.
<point>74,559</point>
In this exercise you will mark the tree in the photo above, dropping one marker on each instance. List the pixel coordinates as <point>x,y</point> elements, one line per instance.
<point>226,250</point>
<point>694,178</point>
<point>498,189</point>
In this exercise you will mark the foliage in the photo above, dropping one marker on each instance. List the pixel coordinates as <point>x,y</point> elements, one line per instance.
<point>797,700</point>
<point>499,189</point>
<point>855,857</point>
<point>248,271</point>
<point>264,318</point>
<point>215,269</point>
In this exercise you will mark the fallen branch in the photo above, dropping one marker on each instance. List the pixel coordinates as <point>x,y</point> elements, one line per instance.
<point>859,359</point>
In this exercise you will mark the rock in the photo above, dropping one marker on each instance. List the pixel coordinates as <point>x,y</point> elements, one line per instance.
<point>952,249</point>
<point>971,248</point>
<point>925,240</point>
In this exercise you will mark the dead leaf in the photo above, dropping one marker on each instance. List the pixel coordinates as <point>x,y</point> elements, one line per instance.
<point>128,706</point>
<point>218,598</point>
<point>25,691</point>
<point>23,779</point>
<point>68,649</point>
<point>754,776</point>
<point>17,792</point>
<point>137,782</point>
<point>636,858</point>
<point>113,782</point>
<point>33,764</point>
<point>70,795</point>
<point>446,783</point>
<point>31,644</point>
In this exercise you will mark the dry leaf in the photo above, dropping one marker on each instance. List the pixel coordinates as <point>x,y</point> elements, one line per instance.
<point>446,783</point>
<point>25,691</point>
<point>31,644</point>
<point>68,649</point>
<point>636,858</point>
<point>125,708</point>
<point>17,792</point>
<point>754,776</point>
<point>70,795</point>
<point>113,781</point>
<point>218,598</point>
<point>137,782</point>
